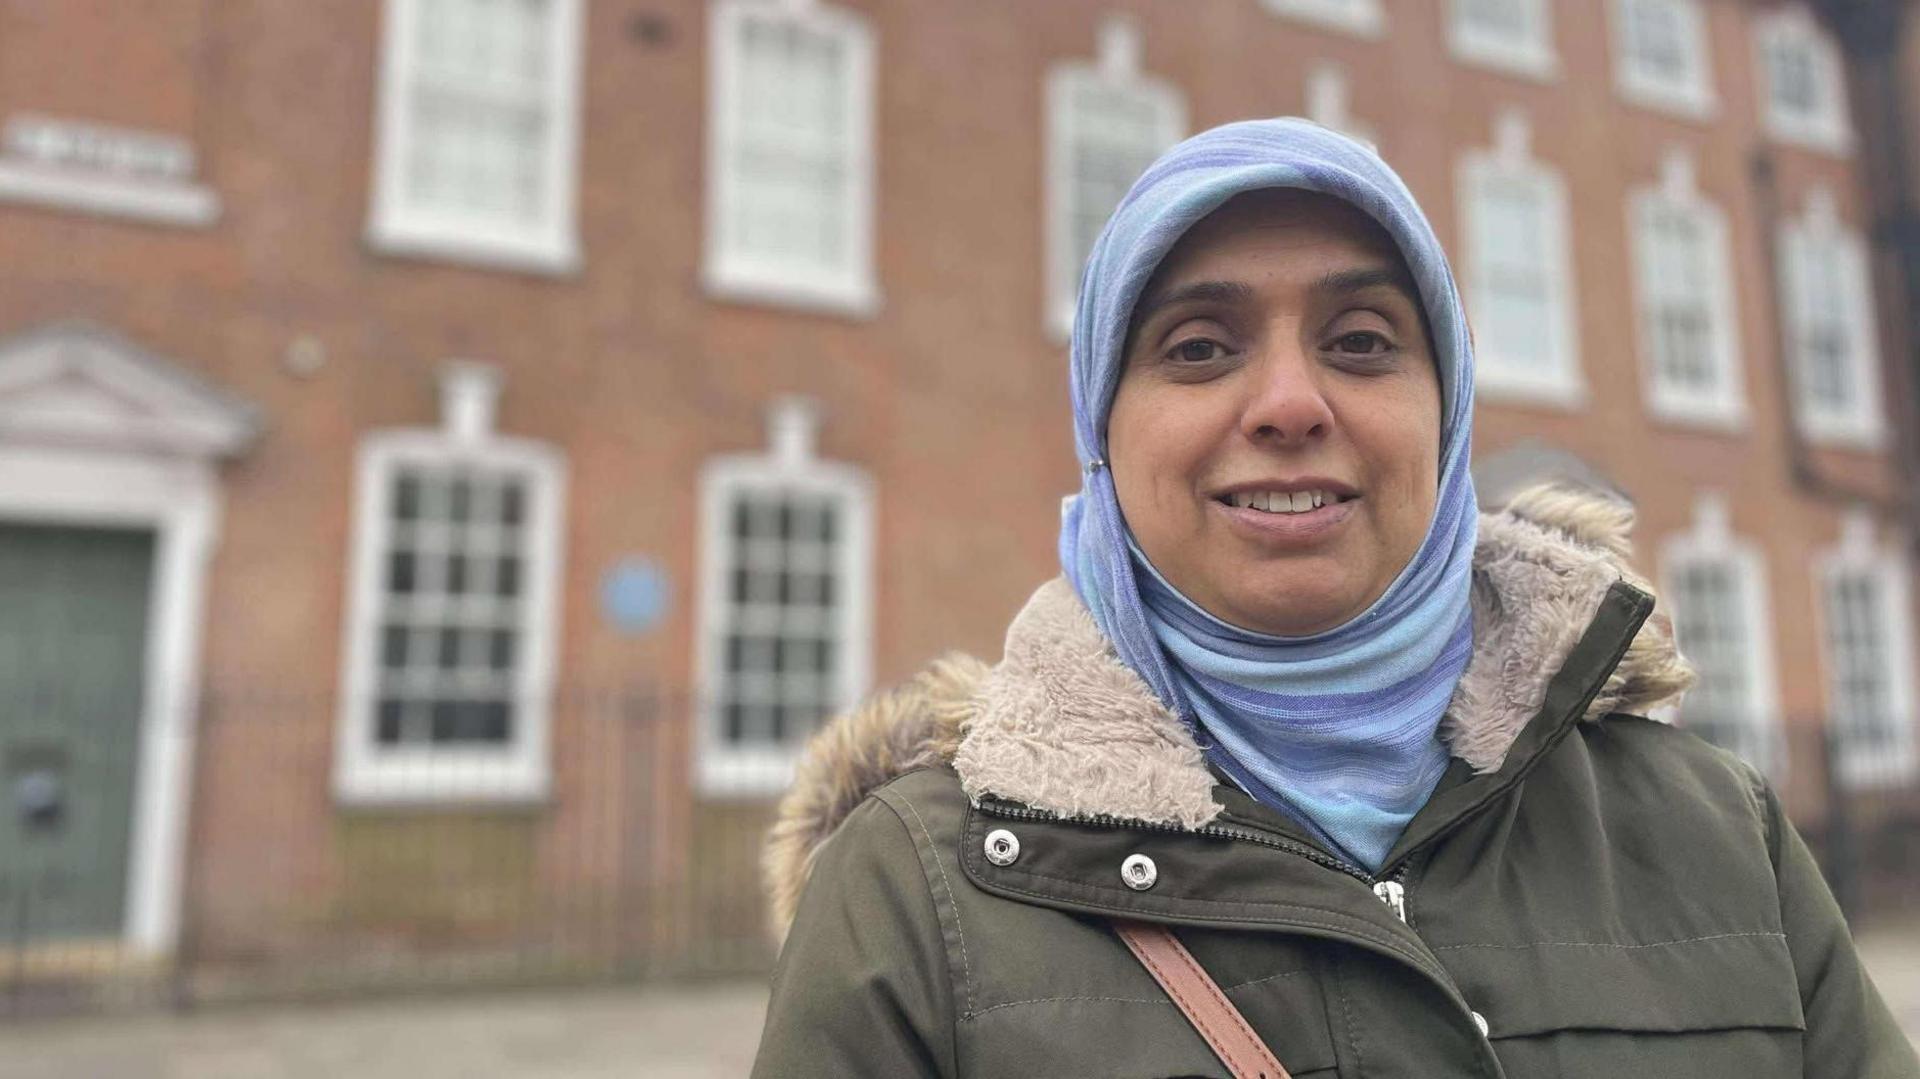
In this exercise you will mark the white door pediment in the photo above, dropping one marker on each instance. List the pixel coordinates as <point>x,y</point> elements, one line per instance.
<point>76,385</point>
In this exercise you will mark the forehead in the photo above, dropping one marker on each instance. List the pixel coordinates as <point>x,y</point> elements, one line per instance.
<point>1280,229</point>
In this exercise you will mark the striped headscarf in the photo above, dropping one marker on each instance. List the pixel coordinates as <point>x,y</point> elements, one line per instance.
<point>1338,730</point>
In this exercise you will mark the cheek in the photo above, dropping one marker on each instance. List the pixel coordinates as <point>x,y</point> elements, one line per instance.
<point>1153,453</point>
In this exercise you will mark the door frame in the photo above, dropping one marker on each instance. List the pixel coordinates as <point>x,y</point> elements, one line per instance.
<point>97,431</point>
<point>179,500</point>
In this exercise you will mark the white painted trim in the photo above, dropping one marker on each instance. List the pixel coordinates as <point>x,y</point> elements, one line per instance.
<point>1559,382</point>
<point>1829,131</point>
<point>368,773</point>
<point>552,245</point>
<point>1726,409</point>
<point>1691,97</point>
<point>180,500</point>
<point>1856,553</point>
<point>1361,18</point>
<point>852,290</point>
<point>1065,261</point>
<point>1329,103</point>
<point>720,769</point>
<point>1712,540</point>
<point>1534,59</point>
<point>155,202</point>
<point>63,469</point>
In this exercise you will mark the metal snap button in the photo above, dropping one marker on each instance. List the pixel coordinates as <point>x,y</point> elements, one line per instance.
<point>1139,872</point>
<point>1003,847</point>
<point>1481,1022</point>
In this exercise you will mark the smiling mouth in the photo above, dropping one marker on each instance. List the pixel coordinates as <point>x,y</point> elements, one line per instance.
<point>1283,502</point>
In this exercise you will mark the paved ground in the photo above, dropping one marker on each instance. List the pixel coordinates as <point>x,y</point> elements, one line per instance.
<point>703,1031</point>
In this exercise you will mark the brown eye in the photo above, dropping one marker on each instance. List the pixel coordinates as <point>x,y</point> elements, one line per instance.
<point>1198,350</point>
<point>1360,341</point>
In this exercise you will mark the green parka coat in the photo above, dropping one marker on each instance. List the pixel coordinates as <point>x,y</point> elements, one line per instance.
<point>1588,894</point>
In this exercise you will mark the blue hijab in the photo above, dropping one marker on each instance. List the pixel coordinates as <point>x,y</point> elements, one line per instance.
<point>1338,730</point>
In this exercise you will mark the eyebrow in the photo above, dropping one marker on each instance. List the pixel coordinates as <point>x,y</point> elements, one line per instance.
<point>1232,292</point>
<point>1336,282</point>
<point>1357,280</point>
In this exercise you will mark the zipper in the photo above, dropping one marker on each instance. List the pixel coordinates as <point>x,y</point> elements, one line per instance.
<point>1394,895</point>
<point>1218,831</point>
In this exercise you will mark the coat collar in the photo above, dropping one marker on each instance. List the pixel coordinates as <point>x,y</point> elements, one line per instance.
<point>1561,633</point>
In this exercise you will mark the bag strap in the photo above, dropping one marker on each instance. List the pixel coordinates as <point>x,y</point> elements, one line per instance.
<point>1201,999</point>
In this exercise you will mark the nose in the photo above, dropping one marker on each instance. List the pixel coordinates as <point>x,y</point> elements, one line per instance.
<point>1285,404</point>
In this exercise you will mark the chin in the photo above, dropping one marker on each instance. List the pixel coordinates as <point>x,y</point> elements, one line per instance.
<point>1298,618</point>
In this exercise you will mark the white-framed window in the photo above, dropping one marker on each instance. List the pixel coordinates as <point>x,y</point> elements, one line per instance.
<point>1715,587</point>
<point>1514,36</point>
<point>1833,342</point>
<point>449,643</point>
<point>790,158</point>
<point>1689,336</point>
<point>1330,102</point>
<point>1661,58</point>
<point>1362,17</point>
<point>785,636</point>
<point>1803,93</point>
<point>1519,280</point>
<point>1866,621</point>
<point>478,132</point>
<point>1106,122</point>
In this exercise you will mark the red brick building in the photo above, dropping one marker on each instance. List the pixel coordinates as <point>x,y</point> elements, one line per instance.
<point>392,394</point>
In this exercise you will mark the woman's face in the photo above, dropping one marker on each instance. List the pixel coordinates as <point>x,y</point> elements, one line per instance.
<point>1275,439</point>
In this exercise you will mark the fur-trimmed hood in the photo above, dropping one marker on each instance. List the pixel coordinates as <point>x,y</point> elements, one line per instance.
<point>1061,725</point>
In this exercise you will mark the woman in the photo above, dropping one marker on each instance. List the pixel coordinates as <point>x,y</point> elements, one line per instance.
<point>1377,760</point>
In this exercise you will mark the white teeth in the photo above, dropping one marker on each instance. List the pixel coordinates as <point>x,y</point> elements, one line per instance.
<point>1302,501</point>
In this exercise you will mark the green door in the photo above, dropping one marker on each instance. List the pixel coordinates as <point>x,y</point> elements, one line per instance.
<point>73,616</point>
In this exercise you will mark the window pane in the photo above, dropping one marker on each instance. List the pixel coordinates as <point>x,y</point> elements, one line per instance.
<point>393,649</point>
<point>1117,132</point>
<point>406,497</point>
<point>1712,632</point>
<point>452,647</point>
<point>1513,19</point>
<point>387,721</point>
<point>479,104</point>
<point>778,646</point>
<point>792,162</point>
<point>400,573</point>
<point>1656,39</point>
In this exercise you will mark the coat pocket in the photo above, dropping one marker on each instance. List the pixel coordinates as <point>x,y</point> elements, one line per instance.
<point>1125,1038</point>
<point>1720,1004</point>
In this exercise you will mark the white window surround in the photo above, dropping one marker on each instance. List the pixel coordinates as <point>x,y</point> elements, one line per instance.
<point>1722,403</point>
<point>1687,92</point>
<point>789,466</point>
<point>1362,18</point>
<point>1529,53</point>
<point>1826,293</point>
<point>1857,556</point>
<point>516,770</point>
<point>96,431</point>
<point>733,271</point>
<point>550,242</point>
<point>92,168</point>
<point>1116,74</point>
<point>1792,31</point>
<point>1711,543</point>
<point>1552,375</point>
